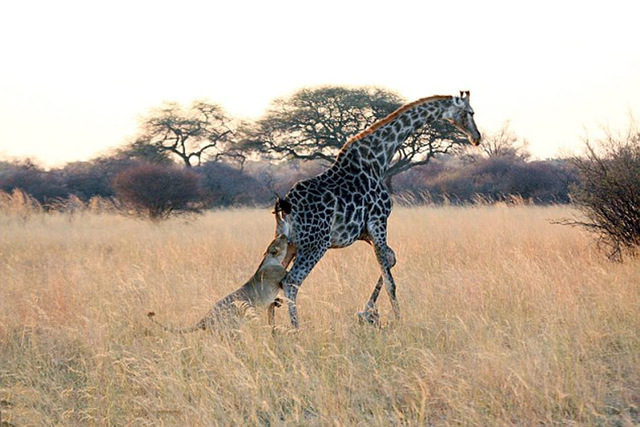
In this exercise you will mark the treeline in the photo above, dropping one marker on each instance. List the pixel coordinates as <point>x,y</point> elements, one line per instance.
<point>488,179</point>
<point>448,178</point>
<point>196,157</point>
<point>193,157</point>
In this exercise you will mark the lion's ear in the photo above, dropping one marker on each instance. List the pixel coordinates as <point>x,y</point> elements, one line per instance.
<point>283,205</point>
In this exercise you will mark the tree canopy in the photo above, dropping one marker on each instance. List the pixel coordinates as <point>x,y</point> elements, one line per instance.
<point>315,123</point>
<point>186,132</point>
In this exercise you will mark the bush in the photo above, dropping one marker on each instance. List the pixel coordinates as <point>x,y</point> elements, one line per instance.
<point>608,192</point>
<point>227,186</point>
<point>159,191</point>
<point>94,178</point>
<point>44,186</point>
<point>490,179</point>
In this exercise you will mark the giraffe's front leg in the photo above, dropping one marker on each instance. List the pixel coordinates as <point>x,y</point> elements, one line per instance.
<point>291,294</point>
<point>302,266</point>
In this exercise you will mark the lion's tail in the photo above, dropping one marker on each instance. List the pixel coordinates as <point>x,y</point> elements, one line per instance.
<point>197,326</point>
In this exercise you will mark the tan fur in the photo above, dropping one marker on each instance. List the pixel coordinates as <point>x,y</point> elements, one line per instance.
<point>259,292</point>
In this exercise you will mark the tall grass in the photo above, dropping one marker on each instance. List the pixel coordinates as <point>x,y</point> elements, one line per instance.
<point>506,319</point>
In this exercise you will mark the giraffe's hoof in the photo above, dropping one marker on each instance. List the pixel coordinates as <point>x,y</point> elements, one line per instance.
<point>369,317</point>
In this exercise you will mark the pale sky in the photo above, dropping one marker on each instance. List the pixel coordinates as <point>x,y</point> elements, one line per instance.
<point>76,75</point>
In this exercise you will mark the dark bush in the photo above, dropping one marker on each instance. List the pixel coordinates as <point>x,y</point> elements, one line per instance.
<point>159,191</point>
<point>93,179</point>
<point>490,179</point>
<point>44,186</point>
<point>225,185</point>
<point>608,192</point>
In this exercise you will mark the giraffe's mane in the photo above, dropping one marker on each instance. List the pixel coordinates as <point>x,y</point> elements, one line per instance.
<point>377,125</point>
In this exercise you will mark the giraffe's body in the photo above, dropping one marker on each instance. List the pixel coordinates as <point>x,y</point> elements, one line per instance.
<point>349,201</point>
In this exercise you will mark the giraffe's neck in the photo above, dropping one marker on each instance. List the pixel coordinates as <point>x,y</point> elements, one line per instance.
<point>373,149</point>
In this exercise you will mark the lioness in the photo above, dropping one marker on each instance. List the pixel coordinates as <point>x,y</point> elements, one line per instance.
<point>259,292</point>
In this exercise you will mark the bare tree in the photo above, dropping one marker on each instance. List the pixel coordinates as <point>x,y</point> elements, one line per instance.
<point>505,143</point>
<point>188,132</point>
<point>608,192</point>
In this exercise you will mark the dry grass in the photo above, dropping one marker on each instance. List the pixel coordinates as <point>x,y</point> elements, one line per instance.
<point>507,319</point>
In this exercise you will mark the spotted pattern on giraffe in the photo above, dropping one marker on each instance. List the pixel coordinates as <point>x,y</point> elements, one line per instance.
<point>350,202</point>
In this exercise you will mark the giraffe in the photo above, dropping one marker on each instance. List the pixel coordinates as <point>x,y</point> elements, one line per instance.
<point>349,201</point>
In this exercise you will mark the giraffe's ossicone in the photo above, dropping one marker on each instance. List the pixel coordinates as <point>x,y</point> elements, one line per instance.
<point>349,201</point>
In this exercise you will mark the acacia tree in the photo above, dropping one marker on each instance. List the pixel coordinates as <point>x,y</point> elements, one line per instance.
<point>140,150</point>
<point>188,132</point>
<point>315,123</point>
<point>433,139</point>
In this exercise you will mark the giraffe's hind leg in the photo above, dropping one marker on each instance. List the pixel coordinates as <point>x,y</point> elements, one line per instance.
<point>370,313</point>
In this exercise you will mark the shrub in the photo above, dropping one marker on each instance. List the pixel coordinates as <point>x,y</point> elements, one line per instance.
<point>490,179</point>
<point>226,186</point>
<point>159,191</point>
<point>43,186</point>
<point>608,192</point>
<point>94,178</point>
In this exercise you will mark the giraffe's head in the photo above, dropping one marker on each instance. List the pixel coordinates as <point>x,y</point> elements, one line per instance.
<point>460,114</point>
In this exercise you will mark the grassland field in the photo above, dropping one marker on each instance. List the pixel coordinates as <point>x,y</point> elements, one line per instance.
<point>507,319</point>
